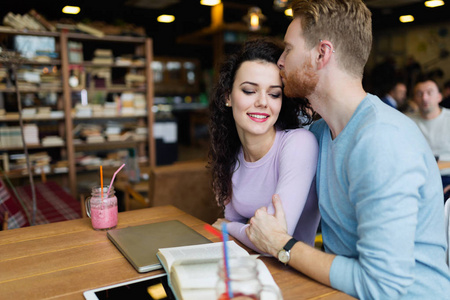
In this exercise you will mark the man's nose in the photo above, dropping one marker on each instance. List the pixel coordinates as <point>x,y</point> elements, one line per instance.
<point>280,63</point>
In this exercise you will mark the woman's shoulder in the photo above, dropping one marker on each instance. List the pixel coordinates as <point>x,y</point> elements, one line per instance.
<point>298,136</point>
<point>297,133</point>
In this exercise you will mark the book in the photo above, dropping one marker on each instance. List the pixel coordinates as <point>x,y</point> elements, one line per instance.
<point>192,270</point>
<point>42,20</point>
<point>91,30</point>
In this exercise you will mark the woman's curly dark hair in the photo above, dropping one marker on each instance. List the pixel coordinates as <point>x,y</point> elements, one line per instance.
<point>225,142</point>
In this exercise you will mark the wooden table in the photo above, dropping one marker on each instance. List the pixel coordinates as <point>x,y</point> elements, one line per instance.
<point>62,260</point>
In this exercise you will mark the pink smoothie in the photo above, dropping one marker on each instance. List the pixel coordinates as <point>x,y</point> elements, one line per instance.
<point>105,218</point>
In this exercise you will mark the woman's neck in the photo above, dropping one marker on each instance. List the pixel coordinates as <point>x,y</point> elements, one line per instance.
<point>255,147</point>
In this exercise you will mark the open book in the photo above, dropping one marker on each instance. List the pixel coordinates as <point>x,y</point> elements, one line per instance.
<point>192,270</point>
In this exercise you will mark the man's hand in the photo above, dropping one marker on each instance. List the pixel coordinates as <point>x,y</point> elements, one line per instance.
<point>269,232</point>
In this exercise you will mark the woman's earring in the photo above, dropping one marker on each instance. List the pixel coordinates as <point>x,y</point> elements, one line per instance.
<point>227,104</point>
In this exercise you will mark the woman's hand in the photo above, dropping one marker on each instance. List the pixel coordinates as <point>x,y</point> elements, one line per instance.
<point>218,224</point>
<point>269,232</point>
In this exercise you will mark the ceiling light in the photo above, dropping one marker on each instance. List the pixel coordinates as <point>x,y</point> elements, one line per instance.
<point>254,17</point>
<point>73,10</point>
<point>281,5</point>
<point>209,2</point>
<point>166,18</point>
<point>406,18</point>
<point>288,12</point>
<point>434,3</point>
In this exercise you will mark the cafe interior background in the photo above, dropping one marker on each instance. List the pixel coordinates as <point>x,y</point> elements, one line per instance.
<point>410,38</point>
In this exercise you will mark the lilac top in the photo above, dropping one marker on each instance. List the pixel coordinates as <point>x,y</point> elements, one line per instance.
<point>288,169</point>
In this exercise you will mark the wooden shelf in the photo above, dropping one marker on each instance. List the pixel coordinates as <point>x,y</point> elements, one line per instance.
<point>44,63</point>
<point>90,64</point>
<point>144,114</point>
<point>30,119</point>
<point>112,89</point>
<point>13,31</point>
<point>108,145</point>
<point>142,46</point>
<point>106,38</point>
<point>14,175</point>
<point>15,148</point>
<point>33,90</point>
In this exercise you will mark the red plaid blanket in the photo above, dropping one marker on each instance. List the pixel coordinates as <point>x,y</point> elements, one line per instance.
<point>53,204</point>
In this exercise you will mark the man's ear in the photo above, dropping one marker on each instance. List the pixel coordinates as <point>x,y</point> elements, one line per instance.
<point>325,52</point>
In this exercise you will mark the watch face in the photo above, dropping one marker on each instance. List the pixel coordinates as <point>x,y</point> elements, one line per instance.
<point>283,256</point>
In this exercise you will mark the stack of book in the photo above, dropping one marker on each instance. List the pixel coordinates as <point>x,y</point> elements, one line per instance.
<point>87,161</point>
<point>103,57</point>
<point>31,20</point>
<point>140,133</point>
<point>75,52</point>
<point>83,111</point>
<point>40,163</point>
<point>51,78</point>
<point>113,132</point>
<point>90,133</point>
<point>110,109</point>
<point>61,166</point>
<point>28,78</point>
<point>10,137</point>
<point>31,134</point>
<point>52,140</point>
<point>140,103</point>
<point>135,80</point>
<point>44,111</point>
<point>127,104</point>
<point>29,112</point>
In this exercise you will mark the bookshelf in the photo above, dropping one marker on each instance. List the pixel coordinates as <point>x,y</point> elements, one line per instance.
<point>65,114</point>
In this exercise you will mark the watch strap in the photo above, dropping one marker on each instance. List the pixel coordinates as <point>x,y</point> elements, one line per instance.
<point>290,244</point>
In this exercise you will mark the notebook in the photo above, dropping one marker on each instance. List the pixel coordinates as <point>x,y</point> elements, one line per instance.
<point>139,244</point>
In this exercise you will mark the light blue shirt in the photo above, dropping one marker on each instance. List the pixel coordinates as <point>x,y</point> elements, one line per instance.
<point>380,198</point>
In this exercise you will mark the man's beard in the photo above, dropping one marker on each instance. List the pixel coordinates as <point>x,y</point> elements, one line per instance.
<point>300,83</point>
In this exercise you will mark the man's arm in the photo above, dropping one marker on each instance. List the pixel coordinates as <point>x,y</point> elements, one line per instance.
<point>269,234</point>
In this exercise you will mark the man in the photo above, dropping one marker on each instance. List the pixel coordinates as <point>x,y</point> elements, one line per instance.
<point>378,183</point>
<point>434,122</point>
<point>446,93</point>
<point>396,97</point>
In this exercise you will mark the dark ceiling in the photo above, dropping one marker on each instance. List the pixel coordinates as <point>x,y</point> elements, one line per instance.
<point>191,16</point>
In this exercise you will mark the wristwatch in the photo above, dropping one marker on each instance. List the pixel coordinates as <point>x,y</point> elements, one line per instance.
<point>284,255</point>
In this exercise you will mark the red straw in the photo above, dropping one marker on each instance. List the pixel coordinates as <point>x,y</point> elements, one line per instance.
<point>213,231</point>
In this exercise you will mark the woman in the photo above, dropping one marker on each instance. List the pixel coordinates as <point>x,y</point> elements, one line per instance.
<point>257,149</point>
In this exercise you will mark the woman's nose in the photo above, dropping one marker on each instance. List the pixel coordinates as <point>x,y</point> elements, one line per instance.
<point>261,101</point>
